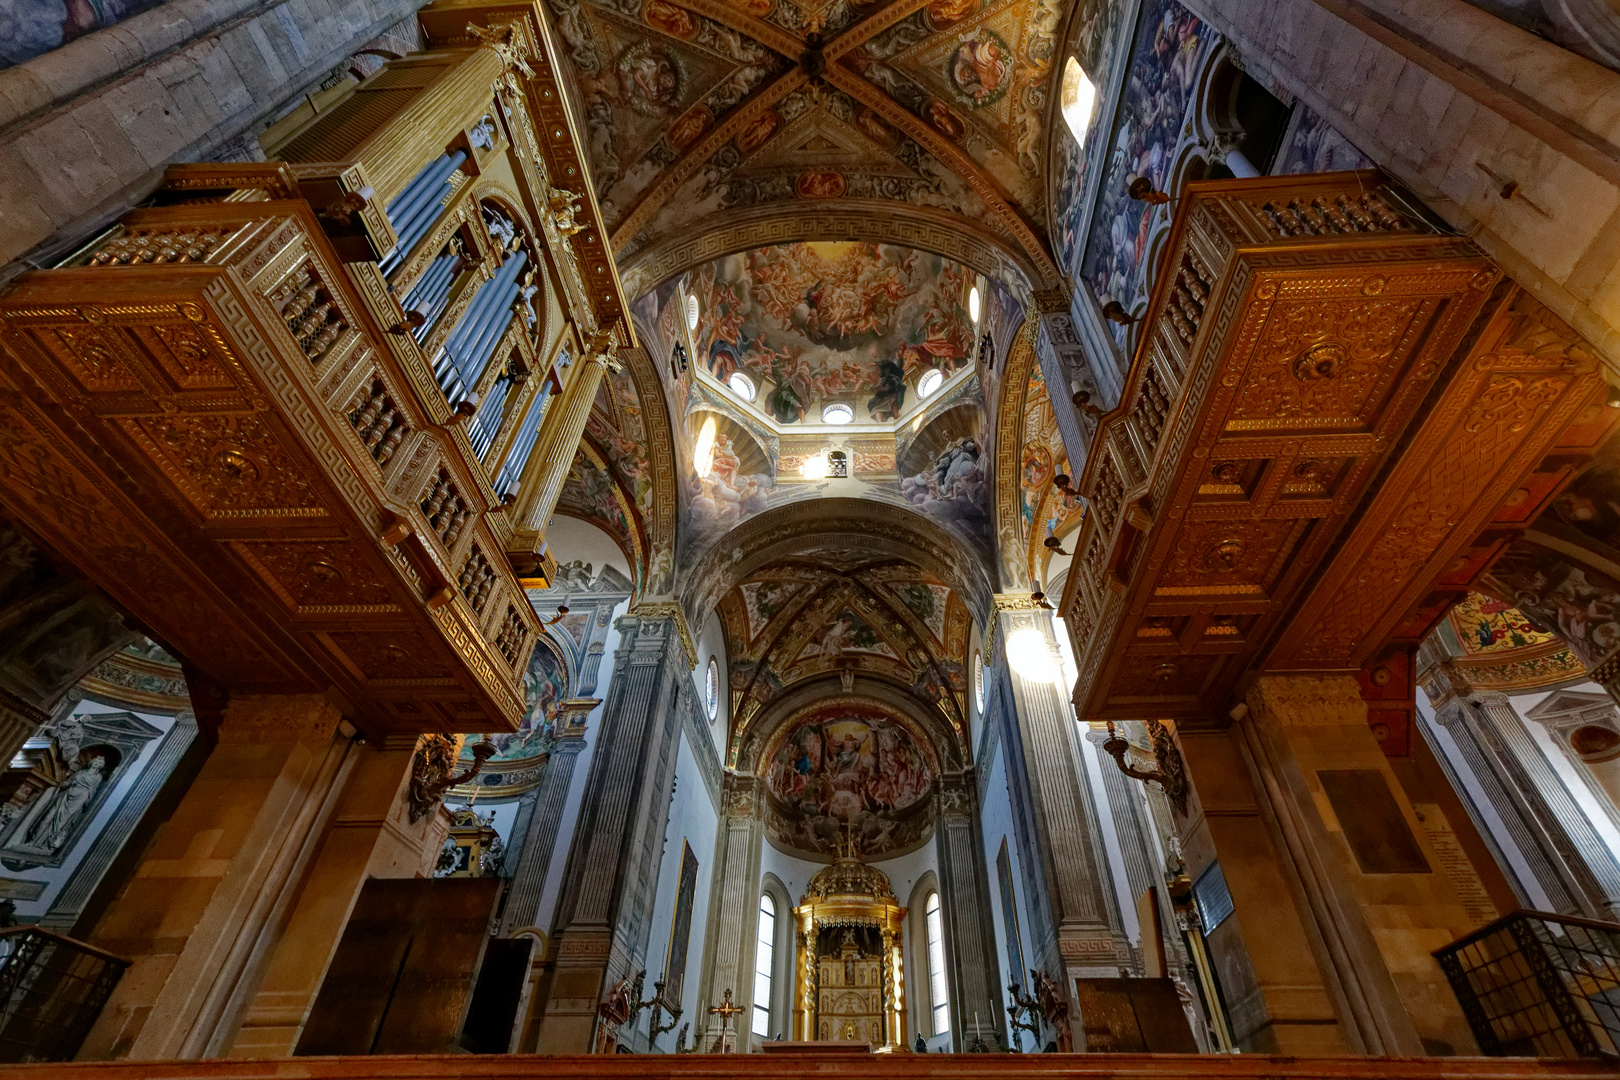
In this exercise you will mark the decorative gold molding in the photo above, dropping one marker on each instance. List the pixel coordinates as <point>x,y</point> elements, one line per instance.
<point>668,609</point>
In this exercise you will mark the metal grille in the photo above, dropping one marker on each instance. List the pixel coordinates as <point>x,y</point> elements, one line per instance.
<point>52,988</point>
<point>1534,984</point>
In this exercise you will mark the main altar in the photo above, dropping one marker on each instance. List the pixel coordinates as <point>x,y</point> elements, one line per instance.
<point>850,982</point>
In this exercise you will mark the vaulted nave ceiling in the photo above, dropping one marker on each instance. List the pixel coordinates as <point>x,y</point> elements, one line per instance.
<point>847,629</point>
<point>717,112</point>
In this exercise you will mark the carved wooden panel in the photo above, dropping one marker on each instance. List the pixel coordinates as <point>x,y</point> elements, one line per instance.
<point>1343,364</point>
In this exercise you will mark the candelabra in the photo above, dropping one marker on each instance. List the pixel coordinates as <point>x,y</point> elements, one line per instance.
<point>1171,774</point>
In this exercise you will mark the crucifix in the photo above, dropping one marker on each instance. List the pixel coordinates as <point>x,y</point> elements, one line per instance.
<point>725,1010</point>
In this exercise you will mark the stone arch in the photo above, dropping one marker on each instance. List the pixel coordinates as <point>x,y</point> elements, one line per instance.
<point>877,527</point>
<point>922,228</point>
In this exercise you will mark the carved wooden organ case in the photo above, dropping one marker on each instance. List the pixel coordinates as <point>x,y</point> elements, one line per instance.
<point>849,983</point>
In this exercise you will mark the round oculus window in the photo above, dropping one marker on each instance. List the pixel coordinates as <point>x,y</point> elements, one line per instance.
<point>711,689</point>
<point>930,382</point>
<point>837,414</point>
<point>978,680</point>
<point>741,385</point>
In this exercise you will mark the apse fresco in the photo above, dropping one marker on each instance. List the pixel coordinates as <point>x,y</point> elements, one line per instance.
<point>1171,45</point>
<point>813,323</point>
<point>848,766</point>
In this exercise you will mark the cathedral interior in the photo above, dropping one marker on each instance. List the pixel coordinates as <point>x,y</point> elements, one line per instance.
<point>583,538</point>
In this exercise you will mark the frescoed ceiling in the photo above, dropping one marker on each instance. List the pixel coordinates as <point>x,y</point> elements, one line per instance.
<point>1496,647</point>
<point>700,108</point>
<point>818,323</point>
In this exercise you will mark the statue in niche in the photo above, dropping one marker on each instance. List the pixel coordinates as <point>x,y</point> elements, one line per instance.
<point>51,829</point>
<point>51,791</point>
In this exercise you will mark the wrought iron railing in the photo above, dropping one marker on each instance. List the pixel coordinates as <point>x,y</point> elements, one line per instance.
<point>1539,985</point>
<point>52,988</point>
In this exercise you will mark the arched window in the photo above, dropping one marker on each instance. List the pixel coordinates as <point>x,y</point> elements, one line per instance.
<point>1079,98</point>
<point>764,955</point>
<point>938,994</point>
<point>711,689</point>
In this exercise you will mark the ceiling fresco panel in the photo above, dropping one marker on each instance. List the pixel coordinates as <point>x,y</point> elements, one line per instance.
<point>1171,44</point>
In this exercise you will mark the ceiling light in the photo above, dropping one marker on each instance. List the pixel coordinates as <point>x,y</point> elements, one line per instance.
<point>814,467</point>
<point>741,385</point>
<point>1030,656</point>
<point>691,313</point>
<point>703,451</point>
<point>837,414</point>
<point>929,382</point>
<point>973,305</point>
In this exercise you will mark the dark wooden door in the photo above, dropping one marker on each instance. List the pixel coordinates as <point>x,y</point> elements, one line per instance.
<point>403,975</point>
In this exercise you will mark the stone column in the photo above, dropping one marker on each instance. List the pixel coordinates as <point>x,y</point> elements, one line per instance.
<point>1364,874</point>
<point>201,913</point>
<point>1085,937</point>
<point>560,432</point>
<point>1294,1006</point>
<point>1067,368</point>
<point>1586,728</point>
<point>1554,837</point>
<point>371,835</point>
<point>603,918</point>
<point>970,934</point>
<point>733,916</point>
<point>540,818</point>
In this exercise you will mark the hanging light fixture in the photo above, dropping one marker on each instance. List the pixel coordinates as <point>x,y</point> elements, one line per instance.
<point>703,451</point>
<point>1030,656</point>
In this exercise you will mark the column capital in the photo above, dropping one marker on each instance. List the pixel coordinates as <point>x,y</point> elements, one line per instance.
<point>279,718</point>
<point>668,609</point>
<point>739,795</point>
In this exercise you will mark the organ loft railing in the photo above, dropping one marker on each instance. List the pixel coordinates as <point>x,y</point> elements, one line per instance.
<point>306,419</point>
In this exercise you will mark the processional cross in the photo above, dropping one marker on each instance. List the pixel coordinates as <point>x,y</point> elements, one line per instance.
<point>725,1010</point>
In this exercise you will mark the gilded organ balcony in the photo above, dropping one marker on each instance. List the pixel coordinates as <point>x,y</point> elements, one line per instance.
<point>204,416</point>
<point>1335,413</point>
<point>305,420</point>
